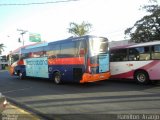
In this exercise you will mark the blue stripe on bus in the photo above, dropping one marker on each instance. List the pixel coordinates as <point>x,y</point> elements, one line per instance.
<point>38,45</point>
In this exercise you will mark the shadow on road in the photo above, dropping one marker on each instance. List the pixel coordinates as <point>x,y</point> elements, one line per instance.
<point>110,96</point>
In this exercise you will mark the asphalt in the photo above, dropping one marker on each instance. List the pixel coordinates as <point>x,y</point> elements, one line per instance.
<point>14,112</point>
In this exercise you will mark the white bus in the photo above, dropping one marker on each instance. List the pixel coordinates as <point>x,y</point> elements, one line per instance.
<point>140,62</point>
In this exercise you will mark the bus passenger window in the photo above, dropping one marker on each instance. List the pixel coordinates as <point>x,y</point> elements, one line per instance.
<point>53,51</point>
<point>37,54</point>
<point>68,50</point>
<point>133,54</point>
<point>80,49</point>
<point>25,55</point>
<point>144,53</point>
<point>156,52</point>
<point>132,57</point>
<point>144,56</point>
<point>118,55</point>
<point>50,54</point>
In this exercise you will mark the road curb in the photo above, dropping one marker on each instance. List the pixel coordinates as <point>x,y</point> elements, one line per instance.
<point>32,112</point>
<point>13,112</point>
<point>3,70</point>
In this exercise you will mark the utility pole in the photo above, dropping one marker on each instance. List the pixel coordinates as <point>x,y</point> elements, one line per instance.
<point>22,33</point>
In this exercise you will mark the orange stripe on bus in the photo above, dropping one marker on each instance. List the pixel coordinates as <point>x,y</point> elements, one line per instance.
<point>94,65</point>
<point>66,61</point>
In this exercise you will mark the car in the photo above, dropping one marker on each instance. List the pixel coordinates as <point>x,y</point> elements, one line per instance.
<point>3,103</point>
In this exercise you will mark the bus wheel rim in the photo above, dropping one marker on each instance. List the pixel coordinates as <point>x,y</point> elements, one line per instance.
<point>20,75</point>
<point>57,79</point>
<point>141,78</point>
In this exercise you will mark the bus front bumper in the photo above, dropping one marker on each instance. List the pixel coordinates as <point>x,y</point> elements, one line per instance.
<point>94,77</point>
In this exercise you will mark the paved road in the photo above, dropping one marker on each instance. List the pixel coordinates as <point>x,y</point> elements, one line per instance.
<point>101,100</point>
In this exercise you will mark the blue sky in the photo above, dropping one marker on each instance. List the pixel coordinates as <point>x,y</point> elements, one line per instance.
<point>109,19</point>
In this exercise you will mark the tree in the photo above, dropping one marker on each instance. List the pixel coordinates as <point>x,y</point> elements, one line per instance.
<point>79,29</point>
<point>1,48</point>
<point>148,28</point>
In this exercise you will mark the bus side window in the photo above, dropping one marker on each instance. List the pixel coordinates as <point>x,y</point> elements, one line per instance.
<point>123,54</point>
<point>37,54</point>
<point>133,54</point>
<point>156,52</point>
<point>118,55</point>
<point>49,54</point>
<point>25,55</point>
<point>113,56</point>
<point>80,49</point>
<point>144,53</point>
<point>53,51</point>
<point>68,50</point>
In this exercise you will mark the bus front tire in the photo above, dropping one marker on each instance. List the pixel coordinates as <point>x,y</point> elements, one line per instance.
<point>141,77</point>
<point>21,76</point>
<point>57,78</point>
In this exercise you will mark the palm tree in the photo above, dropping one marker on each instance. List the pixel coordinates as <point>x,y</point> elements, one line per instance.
<point>1,48</point>
<point>79,30</point>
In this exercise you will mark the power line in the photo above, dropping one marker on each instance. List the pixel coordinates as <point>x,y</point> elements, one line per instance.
<point>36,3</point>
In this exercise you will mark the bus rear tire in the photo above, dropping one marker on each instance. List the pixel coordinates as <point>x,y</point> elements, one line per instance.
<point>21,76</point>
<point>57,78</point>
<point>141,77</point>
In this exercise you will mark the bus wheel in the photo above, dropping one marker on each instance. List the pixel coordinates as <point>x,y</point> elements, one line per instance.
<point>57,78</point>
<point>21,76</point>
<point>141,77</point>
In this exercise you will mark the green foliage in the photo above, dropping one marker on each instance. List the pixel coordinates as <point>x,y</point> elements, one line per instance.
<point>148,28</point>
<point>79,30</point>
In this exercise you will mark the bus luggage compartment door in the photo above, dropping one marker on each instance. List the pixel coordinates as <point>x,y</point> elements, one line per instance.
<point>103,63</point>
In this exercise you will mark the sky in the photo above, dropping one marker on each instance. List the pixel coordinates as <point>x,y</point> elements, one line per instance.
<point>109,18</point>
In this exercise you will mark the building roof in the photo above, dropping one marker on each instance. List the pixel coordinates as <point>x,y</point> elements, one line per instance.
<point>16,51</point>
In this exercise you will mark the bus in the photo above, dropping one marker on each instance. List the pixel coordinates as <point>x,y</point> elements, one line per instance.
<point>77,59</point>
<point>140,62</point>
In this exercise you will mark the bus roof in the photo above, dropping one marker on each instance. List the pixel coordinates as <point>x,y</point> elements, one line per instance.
<point>41,45</point>
<point>61,41</point>
<point>137,45</point>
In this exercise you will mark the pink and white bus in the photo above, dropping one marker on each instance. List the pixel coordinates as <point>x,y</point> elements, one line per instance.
<point>140,62</point>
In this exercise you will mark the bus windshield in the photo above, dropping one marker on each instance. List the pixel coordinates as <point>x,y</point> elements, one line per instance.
<point>98,46</point>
